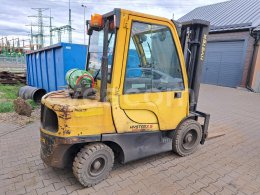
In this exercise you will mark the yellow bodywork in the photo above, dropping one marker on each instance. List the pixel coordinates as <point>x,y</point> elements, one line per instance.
<point>122,112</point>
<point>77,117</point>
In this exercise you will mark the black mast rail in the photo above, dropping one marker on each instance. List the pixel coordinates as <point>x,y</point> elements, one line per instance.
<point>193,36</point>
<point>193,39</point>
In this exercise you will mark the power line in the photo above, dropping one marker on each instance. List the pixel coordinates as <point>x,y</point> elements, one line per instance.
<point>65,28</point>
<point>39,18</point>
<point>69,26</point>
<point>51,41</point>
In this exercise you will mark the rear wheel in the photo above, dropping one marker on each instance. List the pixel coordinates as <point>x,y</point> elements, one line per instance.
<point>187,137</point>
<point>93,164</point>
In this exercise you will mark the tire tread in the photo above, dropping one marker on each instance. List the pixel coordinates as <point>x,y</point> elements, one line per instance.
<point>178,134</point>
<point>83,156</point>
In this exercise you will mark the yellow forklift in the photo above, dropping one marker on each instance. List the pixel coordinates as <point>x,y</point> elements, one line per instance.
<point>136,98</point>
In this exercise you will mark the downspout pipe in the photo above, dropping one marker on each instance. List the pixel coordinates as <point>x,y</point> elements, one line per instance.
<point>250,71</point>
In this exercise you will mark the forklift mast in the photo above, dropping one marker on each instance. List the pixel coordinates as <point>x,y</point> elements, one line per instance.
<point>193,37</point>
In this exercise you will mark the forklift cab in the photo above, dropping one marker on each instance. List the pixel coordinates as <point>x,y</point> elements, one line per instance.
<point>145,67</point>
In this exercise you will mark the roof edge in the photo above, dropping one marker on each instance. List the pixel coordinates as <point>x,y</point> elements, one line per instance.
<point>232,26</point>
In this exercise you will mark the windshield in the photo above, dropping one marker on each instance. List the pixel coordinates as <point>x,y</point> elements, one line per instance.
<point>96,52</point>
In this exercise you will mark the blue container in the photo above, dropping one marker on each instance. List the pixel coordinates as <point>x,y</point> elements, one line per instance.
<point>46,68</point>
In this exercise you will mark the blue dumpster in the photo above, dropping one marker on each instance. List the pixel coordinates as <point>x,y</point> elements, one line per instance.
<point>47,67</point>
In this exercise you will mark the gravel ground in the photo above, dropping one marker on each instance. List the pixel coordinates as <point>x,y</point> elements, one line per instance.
<point>16,119</point>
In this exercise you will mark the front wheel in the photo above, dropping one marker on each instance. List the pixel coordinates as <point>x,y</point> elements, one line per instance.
<point>93,164</point>
<point>187,137</point>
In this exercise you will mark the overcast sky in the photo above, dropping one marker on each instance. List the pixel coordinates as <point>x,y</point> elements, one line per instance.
<point>14,13</point>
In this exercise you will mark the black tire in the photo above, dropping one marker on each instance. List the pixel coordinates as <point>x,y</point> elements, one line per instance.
<point>187,137</point>
<point>93,164</point>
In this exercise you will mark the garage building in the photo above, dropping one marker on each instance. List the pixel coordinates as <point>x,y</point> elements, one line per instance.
<point>232,57</point>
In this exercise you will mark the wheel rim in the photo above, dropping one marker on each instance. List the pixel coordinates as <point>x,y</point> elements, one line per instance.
<point>97,166</point>
<point>190,139</point>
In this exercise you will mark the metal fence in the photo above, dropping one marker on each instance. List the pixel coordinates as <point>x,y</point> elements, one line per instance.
<point>13,64</point>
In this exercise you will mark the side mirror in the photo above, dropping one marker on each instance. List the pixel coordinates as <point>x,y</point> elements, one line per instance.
<point>90,32</point>
<point>89,29</point>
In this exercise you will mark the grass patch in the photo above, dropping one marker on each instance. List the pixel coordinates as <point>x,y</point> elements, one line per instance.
<point>9,92</point>
<point>7,95</point>
<point>6,107</point>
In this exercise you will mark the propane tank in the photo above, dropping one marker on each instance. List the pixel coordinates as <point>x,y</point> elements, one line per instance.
<point>76,77</point>
<point>81,83</point>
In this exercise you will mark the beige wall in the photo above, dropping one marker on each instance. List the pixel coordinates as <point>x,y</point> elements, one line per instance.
<point>255,81</point>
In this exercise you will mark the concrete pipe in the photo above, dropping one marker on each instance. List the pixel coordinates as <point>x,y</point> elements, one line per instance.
<point>29,92</point>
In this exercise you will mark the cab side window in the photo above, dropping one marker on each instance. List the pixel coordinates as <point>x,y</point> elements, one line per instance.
<point>153,63</point>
